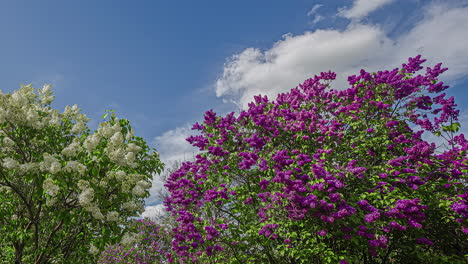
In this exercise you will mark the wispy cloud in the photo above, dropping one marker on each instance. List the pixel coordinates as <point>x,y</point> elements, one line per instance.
<point>314,9</point>
<point>362,8</point>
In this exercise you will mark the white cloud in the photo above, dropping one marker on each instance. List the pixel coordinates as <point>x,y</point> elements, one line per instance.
<point>361,8</point>
<point>312,12</point>
<point>154,212</point>
<point>296,58</point>
<point>440,36</point>
<point>314,9</point>
<point>172,147</point>
<point>317,18</point>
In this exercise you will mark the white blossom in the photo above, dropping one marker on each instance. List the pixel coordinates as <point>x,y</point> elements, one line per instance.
<point>45,95</point>
<point>130,158</point>
<point>138,191</point>
<point>28,167</point>
<point>75,166</point>
<point>117,156</point>
<point>50,163</point>
<point>144,184</point>
<point>72,149</point>
<point>132,147</point>
<point>10,163</point>
<point>91,142</point>
<point>78,127</point>
<point>86,197</point>
<point>116,139</point>
<point>93,250</point>
<point>50,187</point>
<point>71,111</point>
<point>120,175</point>
<point>8,142</point>
<point>112,216</point>
<point>129,135</point>
<point>55,167</point>
<point>50,201</point>
<point>130,206</point>
<point>83,185</point>
<point>128,239</point>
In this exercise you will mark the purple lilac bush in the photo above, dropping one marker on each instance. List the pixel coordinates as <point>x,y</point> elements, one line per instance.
<point>327,176</point>
<point>321,176</point>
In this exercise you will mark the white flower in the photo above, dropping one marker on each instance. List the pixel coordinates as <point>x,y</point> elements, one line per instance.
<point>117,156</point>
<point>82,118</point>
<point>8,142</point>
<point>120,175</point>
<point>55,167</point>
<point>72,149</point>
<point>32,116</point>
<point>10,163</point>
<point>50,201</point>
<point>128,239</point>
<point>55,120</point>
<point>97,214</point>
<point>50,187</point>
<point>71,111</point>
<point>112,216</point>
<point>75,166</point>
<point>138,190</point>
<point>83,185</point>
<point>129,206</point>
<point>144,184</point>
<point>107,131</point>
<point>91,142</point>
<point>28,167</point>
<point>47,163</point>
<point>95,211</point>
<point>116,139</point>
<point>132,147</point>
<point>45,95</point>
<point>103,183</point>
<point>86,197</point>
<point>93,250</point>
<point>78,127</point>
<point>129,135</point>
<point>130,158</point>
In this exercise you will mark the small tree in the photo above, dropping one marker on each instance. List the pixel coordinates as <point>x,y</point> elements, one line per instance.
<point>66,193</point>
<point>322,176</point>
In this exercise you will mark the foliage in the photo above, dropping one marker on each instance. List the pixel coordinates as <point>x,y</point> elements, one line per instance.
<point>65,192</point>
<point>150,244</point>
<point>327,176</point>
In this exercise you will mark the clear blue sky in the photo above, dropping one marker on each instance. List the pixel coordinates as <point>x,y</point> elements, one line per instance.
<point>161,64</point>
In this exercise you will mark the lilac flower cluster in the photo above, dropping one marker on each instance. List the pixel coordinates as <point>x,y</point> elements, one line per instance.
<point>333,164</point>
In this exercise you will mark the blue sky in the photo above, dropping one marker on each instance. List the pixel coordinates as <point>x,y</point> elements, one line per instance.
<point>161,64</point>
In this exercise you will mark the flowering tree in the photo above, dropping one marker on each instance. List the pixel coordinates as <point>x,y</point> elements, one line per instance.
<point>150,243</point>
<point>327,176</point>
<point>66,193</point>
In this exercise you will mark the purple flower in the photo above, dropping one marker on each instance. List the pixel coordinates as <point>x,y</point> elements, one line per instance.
<point>322,232</point>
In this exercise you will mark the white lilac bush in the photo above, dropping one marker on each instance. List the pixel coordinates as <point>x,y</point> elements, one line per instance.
<point>66,193</point>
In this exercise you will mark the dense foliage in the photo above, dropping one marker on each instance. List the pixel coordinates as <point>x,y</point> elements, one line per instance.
<point>66,193</point>
<point>149,244</point>
<point>327,176</point>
